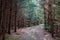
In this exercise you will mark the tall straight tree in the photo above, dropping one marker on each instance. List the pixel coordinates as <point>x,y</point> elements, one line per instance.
<point>9,27</point>
<point>6,17</point>
<point>51,16</point>
<point>3,20</point>
<point>0,17</point>
<point>15,13</point>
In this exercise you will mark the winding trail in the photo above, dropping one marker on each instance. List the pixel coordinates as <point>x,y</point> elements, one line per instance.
<point>33,33</point>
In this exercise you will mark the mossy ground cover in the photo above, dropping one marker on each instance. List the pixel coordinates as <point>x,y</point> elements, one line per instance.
<point>10,37</point>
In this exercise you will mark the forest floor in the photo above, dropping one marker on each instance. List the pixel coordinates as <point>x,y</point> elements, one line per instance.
<point>32,33</point>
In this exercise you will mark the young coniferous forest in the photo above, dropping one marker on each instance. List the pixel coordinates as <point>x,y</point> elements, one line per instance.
<point>29,19</point>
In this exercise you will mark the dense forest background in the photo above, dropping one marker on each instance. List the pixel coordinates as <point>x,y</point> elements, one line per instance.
<point>31,9</point>
<point>16,14</point>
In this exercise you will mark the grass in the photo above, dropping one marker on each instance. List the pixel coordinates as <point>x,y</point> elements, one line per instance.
<point>10,37</point>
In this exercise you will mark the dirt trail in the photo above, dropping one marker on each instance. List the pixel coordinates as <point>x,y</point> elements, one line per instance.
<point>33,33</point>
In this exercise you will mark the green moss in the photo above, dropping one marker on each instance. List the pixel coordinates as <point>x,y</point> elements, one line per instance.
<point>10,37</point>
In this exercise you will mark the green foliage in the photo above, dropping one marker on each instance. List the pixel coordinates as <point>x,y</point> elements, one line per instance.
<point>57,0</point>
<point>58,10</point>
<point>32,9</point>
<point>10,37</point>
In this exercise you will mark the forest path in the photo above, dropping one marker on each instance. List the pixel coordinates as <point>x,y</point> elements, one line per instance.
<point>33,33</point>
